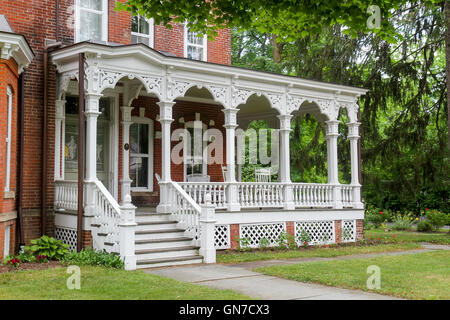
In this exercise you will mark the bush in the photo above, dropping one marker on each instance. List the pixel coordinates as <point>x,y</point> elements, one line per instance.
<point>47,246</point>
<point>402,222</point>
<point>94,258</point>
<point>375,216</point>
<point>436,218</point>
<point>424,226</point>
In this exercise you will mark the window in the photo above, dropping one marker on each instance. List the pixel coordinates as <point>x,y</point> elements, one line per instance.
<point>142,30</point>
<point>194,45</point>
<point>91,20</point>
<point>195,146</point>
<point>8,138</point>
<point>141,154</point>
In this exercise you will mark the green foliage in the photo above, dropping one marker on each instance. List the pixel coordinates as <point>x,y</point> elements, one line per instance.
<point>375,216</point>
<point>304,238</point>
<point>264,243</point>
<point>424,226</point>
<point>94,258</point>
<point>402,222</point>
<point>437,218</point>
<point>48,246</point>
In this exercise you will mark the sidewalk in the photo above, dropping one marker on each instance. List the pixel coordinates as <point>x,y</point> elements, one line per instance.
<point>240,278</point>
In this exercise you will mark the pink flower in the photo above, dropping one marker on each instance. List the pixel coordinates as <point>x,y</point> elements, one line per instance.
<point>381,212</point>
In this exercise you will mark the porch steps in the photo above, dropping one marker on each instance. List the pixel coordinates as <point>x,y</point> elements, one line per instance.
<point>160,242</point>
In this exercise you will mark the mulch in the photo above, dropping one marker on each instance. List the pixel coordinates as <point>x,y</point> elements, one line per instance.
<point>31,266</point>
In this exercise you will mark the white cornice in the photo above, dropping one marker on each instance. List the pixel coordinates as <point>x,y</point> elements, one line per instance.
<point>15,46</point>
<point>69,54</point>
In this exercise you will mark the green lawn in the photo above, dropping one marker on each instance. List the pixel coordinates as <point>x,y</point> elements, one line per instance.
<point>408,236</point>
<point>415,276</point>
<point>311,252</point>
<point>99,283</point>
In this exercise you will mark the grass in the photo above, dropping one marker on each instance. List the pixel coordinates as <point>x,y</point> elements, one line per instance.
<point>415,276</point>
<point>311,252</point>
<point>99,283</point>
<point>408,236</point>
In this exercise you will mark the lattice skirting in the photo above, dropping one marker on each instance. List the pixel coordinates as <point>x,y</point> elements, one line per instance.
<point>348,230</point>
<point>222,237</point>
<point>318,232</point>
<point>68,236</point>
<point>255,232</point>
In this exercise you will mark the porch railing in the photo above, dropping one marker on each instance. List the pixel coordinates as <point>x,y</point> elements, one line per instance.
<point>66,195</point>
<point>271,195</point>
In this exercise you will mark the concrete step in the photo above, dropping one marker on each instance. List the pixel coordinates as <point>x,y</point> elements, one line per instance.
<point>161,253</point>
<point>153,217</point>
<point>155,263</point>
<point>156,225</point>
<point>164,243</point>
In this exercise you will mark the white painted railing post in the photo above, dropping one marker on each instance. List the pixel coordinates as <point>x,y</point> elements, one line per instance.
<point>285,161</point>
<point>207,225</point>
<point>353,136</point>
<point>332,133</point>
<point>232,191</point>
<point>127,226</point>
<point>165,118</point>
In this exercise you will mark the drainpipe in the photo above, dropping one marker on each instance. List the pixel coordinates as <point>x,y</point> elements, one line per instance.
<point>44,140</point>
<point>20,166</point>
<point>80,151</point>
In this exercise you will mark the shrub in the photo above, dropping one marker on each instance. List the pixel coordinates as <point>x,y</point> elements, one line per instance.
<point>424,226</point>
<point>50,247</point>
<point>94,258</point>
<point>13,263</point>
<point>305,238</point>
<point>402,222</point>
<point>436,218</point>
<point>375,216</point>
<point>264,243</point>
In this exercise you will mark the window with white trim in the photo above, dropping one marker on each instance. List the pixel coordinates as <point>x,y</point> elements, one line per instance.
<point>195,45</point>
<point>142,30</point>
<point>141,154</point>
<point>8,138</point>
<point>91,20</point>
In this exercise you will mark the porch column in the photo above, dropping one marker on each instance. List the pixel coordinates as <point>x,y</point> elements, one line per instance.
<point>285,161</point>
<point>126,181</point>
<point>232,189</point>
<point>91,113</point>
<point>165,118</point>
<point>332,133</point>
<point>59,142</point>
<point>353,136</point>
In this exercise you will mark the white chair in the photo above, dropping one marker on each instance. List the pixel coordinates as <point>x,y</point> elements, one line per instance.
<point>197,177</point>
<point>224,173</point>
<point>262,175</point>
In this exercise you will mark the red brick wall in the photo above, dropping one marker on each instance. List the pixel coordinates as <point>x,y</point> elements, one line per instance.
<point>359,229</point>
<point>338,230</point>
<point>36,20</point>
<point>8,77</point>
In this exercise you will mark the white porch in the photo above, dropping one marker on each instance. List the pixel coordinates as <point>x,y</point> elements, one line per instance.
<point>206,212</point>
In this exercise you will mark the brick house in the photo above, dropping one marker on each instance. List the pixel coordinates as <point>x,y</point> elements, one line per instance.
<point>148,90</point>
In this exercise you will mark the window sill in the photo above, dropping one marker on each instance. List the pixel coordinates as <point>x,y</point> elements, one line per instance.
<point>9,195</point>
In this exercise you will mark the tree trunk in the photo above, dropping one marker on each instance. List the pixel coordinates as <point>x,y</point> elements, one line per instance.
<point>447,52</point>
<point>277,48</point>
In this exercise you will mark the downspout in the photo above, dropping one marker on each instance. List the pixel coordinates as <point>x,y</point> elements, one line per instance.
<point>44,140</point>
<point>21,153</point>
<point>80,151</point>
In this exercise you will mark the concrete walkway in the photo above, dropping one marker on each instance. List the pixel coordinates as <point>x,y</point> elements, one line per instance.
<point>241,278</point>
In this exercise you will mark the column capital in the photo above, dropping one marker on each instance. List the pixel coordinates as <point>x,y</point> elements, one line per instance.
<point>126,114</point>
<point>285,122</point>
<point>353,130</point>
<point>92,104</point>
<point>332,128</point>
<point>165,110</point>
<point>230,118</point>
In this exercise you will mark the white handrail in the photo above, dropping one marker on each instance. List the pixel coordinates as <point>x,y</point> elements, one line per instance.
<point>185,210</point>
<point>107,218</point>
<point>66,195</point>
<point>198,191</point>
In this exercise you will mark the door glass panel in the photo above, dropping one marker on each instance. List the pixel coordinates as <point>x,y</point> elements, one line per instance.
<point>139,157</point>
